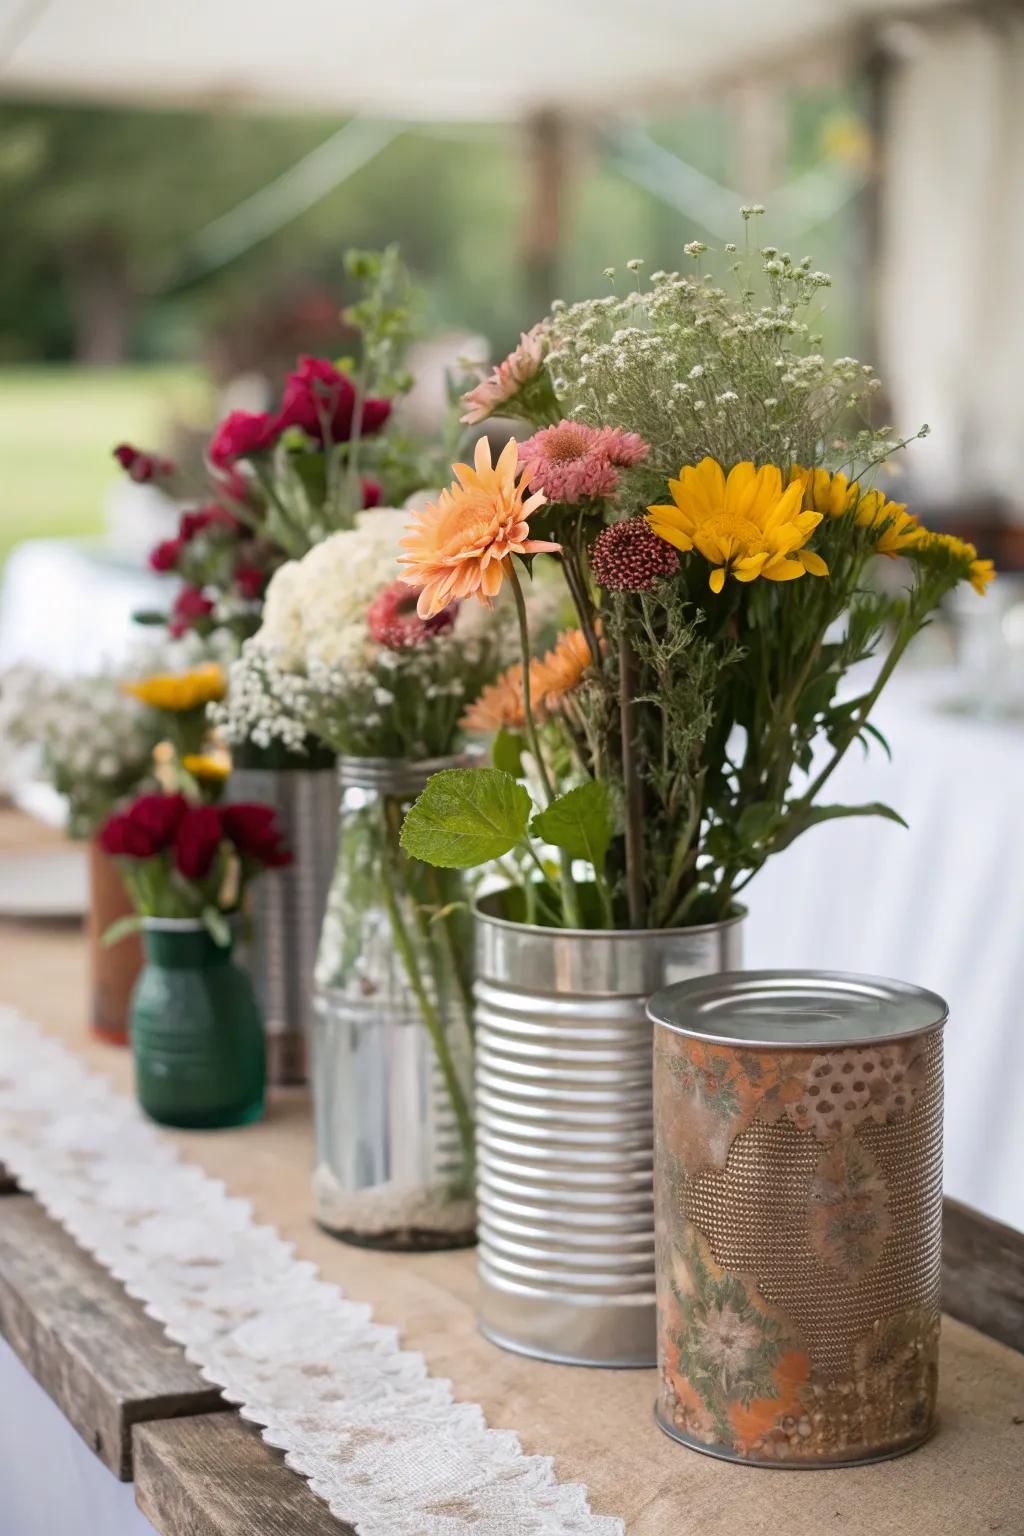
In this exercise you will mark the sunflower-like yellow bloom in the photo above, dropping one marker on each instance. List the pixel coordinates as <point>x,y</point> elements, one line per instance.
<point>746,524</point>
<point>208,767</point>
<point>899,530</point>
<point>832,495</point>
<point>978,572</point>
<point>179,691</point>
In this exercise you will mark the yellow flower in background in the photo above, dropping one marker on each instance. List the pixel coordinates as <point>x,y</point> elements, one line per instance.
<point>207,767</point>
<point>179,691</point>
<point>830,494</point>
<point>898,529</point>
<point>745,524</point>
<point>978,572</point>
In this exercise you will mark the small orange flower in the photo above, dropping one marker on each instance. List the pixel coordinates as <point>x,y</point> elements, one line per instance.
<point>562,669</point>
<point>458,546</point>
<point>500,705</point>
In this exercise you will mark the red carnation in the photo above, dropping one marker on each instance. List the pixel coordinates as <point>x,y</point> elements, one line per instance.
<point>198,837</point>
<point>241,434</point>
<point>165,556</point>
<point>145,829</point>
<point>321,400</point>
<point>207,517</point>
<point>250,581</point>
<point>142,466</point>
<point>252,827</point>
<point>372,493</point>
<point>190,606</point>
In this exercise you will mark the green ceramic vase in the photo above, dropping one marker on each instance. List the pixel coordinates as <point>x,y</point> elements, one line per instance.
<point>197,1031</point>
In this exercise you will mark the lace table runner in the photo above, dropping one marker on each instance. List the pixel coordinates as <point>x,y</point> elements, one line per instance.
<point>376,1436</point>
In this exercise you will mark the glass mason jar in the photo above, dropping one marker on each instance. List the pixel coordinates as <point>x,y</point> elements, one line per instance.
<point>197,1031</point>
<point>392,1035</point>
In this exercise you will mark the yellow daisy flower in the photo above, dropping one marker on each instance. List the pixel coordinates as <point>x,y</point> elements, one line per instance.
<point>208,767</point>
<point>899,529</point>
<point>745,524</point>
<point>179,691</point>
<point>978,572</point>
<point>830,494</point>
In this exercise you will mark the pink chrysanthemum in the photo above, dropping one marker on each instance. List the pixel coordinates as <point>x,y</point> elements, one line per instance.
<point>503,382</point>
<point>393,621</point>
<point>572,462</point>
<point>628,557</point>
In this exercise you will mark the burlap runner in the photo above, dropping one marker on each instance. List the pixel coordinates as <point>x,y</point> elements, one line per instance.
<point>598,1425</point>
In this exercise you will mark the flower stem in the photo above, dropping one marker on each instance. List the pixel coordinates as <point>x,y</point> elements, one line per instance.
<point>632,785</point>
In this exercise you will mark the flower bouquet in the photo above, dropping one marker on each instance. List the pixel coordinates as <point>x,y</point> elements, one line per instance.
<point>343,657</point>
<point>717,500</point>
<point>197,1031</point>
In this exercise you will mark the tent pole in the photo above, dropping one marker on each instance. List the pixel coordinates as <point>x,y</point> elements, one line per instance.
<point>546,134</point>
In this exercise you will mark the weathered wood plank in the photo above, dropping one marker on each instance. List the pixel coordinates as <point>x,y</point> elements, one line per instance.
<point>983,1273</point>
<point>106,1364</point>
<point>213,1476</point>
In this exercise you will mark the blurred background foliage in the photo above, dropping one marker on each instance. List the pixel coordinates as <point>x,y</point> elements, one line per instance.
<point>116,304</point>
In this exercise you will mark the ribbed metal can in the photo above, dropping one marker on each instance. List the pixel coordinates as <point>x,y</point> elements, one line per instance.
<point>564,1131</point>
<point>798,1186</point>
<point>287,907</point>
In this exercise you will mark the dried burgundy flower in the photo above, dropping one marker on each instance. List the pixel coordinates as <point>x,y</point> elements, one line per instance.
<point>628,557</point>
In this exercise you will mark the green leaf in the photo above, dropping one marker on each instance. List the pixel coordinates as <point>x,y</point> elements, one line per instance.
<point>507,752</point>
<point>124,927</point>
<point>757,822</point>
<point>216,926</point>
<point>579,823</point>
<point>795,825</point>
<point>465,817</point>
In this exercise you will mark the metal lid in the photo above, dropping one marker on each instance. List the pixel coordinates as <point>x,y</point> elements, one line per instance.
<point>796,1009</point>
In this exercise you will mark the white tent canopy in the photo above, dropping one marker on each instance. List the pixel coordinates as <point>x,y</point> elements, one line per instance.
<point>409,59</point>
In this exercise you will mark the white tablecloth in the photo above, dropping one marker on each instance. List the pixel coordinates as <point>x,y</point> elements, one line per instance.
<point>941,905</point>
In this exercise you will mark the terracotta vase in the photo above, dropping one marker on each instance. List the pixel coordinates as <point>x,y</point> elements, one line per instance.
<point>112,970</point>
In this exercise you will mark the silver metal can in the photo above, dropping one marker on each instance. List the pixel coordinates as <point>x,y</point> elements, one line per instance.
<point>287,907</point>
<point>564,1137</point>
<point>798,1185</point>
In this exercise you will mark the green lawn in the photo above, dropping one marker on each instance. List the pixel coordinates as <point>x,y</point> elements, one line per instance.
<point>58,426</point>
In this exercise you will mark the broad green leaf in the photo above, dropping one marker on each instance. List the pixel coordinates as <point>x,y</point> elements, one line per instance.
<point>507,753</point>
<point>121,929</point>
<point>579,823</point>
<point>795,825</point>
<point>465,817</point>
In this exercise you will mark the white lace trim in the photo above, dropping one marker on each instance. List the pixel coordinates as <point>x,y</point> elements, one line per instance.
<point>378,1438</point>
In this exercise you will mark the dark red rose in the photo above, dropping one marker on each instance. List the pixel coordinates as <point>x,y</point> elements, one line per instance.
<point>250,581</point>
<point>112,836</point>
<point>241,434</point>
<point>207,517</point>
<point>165,556</point>
<point>198,837</point>
<point>190,606</point>
<point>142,466</point>
<point>372,493</point>
<point>321,400</point>
<point>252,827</point>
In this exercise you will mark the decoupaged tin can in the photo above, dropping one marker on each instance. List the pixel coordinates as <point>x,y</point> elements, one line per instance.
<point>798,1190</point>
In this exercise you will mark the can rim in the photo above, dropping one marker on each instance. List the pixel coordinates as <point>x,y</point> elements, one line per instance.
<point>735,983</point>
<point>492,919</point>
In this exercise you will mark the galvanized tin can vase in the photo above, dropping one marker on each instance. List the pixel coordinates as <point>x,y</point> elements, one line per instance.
<point>392,1038</point>
<point>286,909</point>
<point>798,1181</point>
<point>564,1131</point>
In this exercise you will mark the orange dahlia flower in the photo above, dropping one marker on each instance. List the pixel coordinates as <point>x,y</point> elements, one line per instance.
<point>458,546</point>
<point>562,669</point>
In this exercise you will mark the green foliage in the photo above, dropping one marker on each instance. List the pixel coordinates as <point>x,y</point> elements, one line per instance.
<point>466,817</point>
<point>579,823</point>
<point>507,752</point>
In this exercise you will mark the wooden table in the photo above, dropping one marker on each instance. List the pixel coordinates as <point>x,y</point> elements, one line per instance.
<point>200,1472</point>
